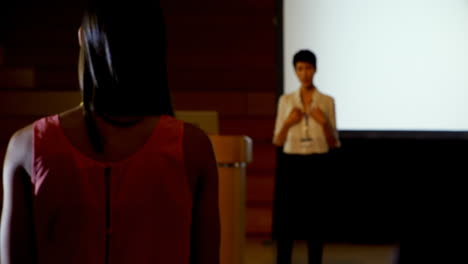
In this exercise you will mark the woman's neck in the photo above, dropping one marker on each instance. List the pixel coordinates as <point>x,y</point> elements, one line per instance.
<point>307,89</point>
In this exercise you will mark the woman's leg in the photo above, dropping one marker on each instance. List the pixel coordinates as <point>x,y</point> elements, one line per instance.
<point>284,251</point>
<point>315,249</point>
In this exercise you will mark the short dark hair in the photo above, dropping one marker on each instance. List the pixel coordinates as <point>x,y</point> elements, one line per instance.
<point>123,59</point>
<point>305,56</point>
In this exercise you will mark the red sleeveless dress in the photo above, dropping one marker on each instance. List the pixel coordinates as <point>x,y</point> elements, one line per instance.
<point>137,210</point>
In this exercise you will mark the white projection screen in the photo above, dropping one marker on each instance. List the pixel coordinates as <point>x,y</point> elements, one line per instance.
<point>391,65</point>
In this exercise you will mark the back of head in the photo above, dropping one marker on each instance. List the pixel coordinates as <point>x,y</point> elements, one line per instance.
<point>305,56</point>
<point>123,59</point>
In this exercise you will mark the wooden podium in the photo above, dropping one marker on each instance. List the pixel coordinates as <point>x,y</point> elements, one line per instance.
<point>233,153</point>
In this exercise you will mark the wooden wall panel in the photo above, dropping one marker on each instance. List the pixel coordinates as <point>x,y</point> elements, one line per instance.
<point>235,108</point>
<point>259,129</point>
<point>215,5</point>
<point>57,78</point>
<point>209,60</point>
<point>262,104</point>
<point>17,78</point>
<point>260,188</point>
<point>264,156</point>
<point>220,39</point>
<point>53,37</point>
<point>64,56</point>
<point>230,46</point>
<point>46,14</point>
<point>243,80</point>
<point>251,20</point>
<point>2,57</point>
<point>226,103</point>
<point>258,220</point>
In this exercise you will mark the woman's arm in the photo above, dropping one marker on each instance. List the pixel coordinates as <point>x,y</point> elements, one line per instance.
<point>17,231</point>
<point>294,117</point>
<point>283,124</point>
<point>328,129</point>
<point>202,171</point>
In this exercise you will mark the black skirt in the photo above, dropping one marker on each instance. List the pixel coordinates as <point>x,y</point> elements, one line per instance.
<point>302,196</point>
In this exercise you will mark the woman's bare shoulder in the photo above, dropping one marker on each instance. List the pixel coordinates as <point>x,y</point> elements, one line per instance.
<point>19,151</point>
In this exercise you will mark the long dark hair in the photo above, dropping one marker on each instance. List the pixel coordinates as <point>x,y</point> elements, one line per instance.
<point>122,67</point>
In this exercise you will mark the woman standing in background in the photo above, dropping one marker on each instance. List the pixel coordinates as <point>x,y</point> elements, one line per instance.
<point>306,130</point>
